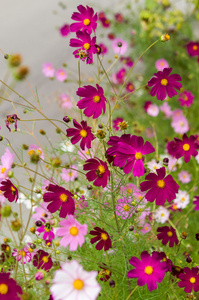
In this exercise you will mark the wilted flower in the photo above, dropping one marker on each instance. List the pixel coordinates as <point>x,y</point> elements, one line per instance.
<point>11,119</point>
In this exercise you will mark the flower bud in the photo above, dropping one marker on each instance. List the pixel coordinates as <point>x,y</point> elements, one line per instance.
<point>131,228</point>
<point>101,134</point>
<point>32,229</point>
<point>25,147</point>
<point>38,223</point>
<point>184,235</point>
<point>1,138</point>
<point>42,132</point>
<point>6,211</point>
<point>165,37</point>
<point>165,162</point>
<point>67,119</point>
<point>89,187</point>
<point>112,283</point>
<point>6,56</point>
<point>16,225</point>
<point>123,125</point>
<point>15,60</point>
<point>56,162</point>
<point>189,259</point>
<point>197,236</point>
<point>39,275</point>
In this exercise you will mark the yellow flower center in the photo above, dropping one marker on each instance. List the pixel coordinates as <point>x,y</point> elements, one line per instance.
<point>183,199</point>
<point>126,207</point>
<point>96,99</point>
<point>104,236</point>
<point>161,184</point>
<point>192,280</point>
<point>74,231</point>
<point>87,46</point>
<point>146,228</point>
<point>45,259</point>
<point>195,47</point>
<point>175,206</point>
<point>83,133</point>
<point>3,170</point>
<point>30,249</point>
<point>101,169</point>
<point>162,215</point>
<point>87,22</point>
<point>78,284</point>
<point>138,155</point>
<point>13,189</point>
<point>63,197</point>
<point>170,234</point>
<point>164,81</point>
<point>31,152</point>
<point>148,270</point>
<point>23,253</point>
<point>3,289</point>
<point>186,147</point>
<point>185,98</point>
<point>167,37</point>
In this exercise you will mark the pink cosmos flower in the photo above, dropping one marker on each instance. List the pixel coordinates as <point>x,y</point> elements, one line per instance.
<point>47,231</point>
<point>73,233</point>
<point>104,49</point>
<point>69,174</point>
<point>98,172</point>
<point>129,151</point>
<point>166,109</point>
<point>10,287</point>
<point>127,61</point>
<point>61,75</point>
<point>119,46</point>
<point>149,270</point>
<point>48,70</point>
<point>146,228</point>
<point>186,98</point>
<point>11,119</point>
<point>160,64</point>
<point>81,132</point>
<point>118,78</point>
<point>116,123</point>
<point>196,202</point>
<point>167,235</point>
<point>9,190</point>
<point>2,198</point>
<point>180,125</point>
<point>189,280</point>
<point>65,101</point>
<point>153,110</point>
<point>159,187</point>
<point>177,113</point>
<point>163,84</point>
<point>34,149</point>
<point>184,176</point>
<point>41,212</point>
<point>124,209</point>
<point>93,100</point>
<point>23,255</point>
<point>119,17</point>
<point>7,160</point>
<point>130,87</point>
<point>65,30</point>
<point>87,153</point>
<point>193,48</point>
<point>86,19</point>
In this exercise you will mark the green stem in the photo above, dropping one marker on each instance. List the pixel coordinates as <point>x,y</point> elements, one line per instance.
<point>132,292</point>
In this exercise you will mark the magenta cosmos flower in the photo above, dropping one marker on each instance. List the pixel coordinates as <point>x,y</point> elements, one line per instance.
<point>149,270</point>
<point>196,202</point>
<point>163,84</point>
<point>11,119</point>
<point>167,235</point>
<point>86,19</point>
<point>9,190</point>
<point>64,30</point>
<point>159,187</point>
<point>98,171</point>
<point>102,237</point>
<point>129,151</point>
<point>93,101</point>
<point>116,123</point>
<point>59,197</point>
<point>186,98</point>
<point>47,231</point>
<point>9,289</point>
<point>81,132</point>
<point>42,260</point>
<point>193,48</point>
<point>23,255</point>
<point>185,147</point>
<point>189,280</point>
<point>72,233</point>
<point>86,46</point>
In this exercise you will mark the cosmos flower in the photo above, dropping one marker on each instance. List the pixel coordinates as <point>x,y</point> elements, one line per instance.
<point>104,274</point>
<point>93,100</point>
<point>65,30</point>
<point>189,280</point>
<point>146,228</point>
<point>182,199</point>
<point>103,48</point>
<point>159,187</point>
<point>11,119</point>
<point>162,214</point>
<point>81,132</point>
<point>153,165</point>
<point>47,231</point>
<point>184,176</point>
<point>193,48</point>
<point>166,109</point>
<point>180,125</point>
<point>86,19</point>
<point>9,289</point>
<point>196,202</point>
<point>23,255</point>
<point>9,190</point>
<point>73,282</point>
<point>127,61</point>
<point>116,123</point>
<point>61,75</point>
<point>72,233</point>
<point>160,64</point>
<point>118,78</point>
<point>42,260</point>
<point>153,110</point>
<point>102,237</point>
<point>119,46</point>
<point>69,174</point>
<point>35,150</point>
<point>149,270</point>
<point>59,197</point>
<point>7,160</point>
<point>98,172</point>
<point>65,101</point>
<point>164,84</point>
<point>186,98</point>
<point>167,235</point>
<point>48,70</point>
<point>130,87</point>
<point>124,209</point>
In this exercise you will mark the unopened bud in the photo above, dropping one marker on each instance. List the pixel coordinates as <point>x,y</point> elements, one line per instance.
<point>16,225</point>
<point>184,235</point>
<point>42,132</point>
<point>165,37</point>
<point>67,119</point>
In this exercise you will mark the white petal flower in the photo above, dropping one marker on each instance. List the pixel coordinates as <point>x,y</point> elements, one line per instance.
<point>162,214</point>
<point>182,199</point>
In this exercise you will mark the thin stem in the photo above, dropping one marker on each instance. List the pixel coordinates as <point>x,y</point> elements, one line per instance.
<point>132,292</point>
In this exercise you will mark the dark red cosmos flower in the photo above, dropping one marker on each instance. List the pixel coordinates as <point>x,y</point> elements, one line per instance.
<point>163,84</point>
<point>196,202</point>
<point>104,274</point>
<point>98,171</point>
<point>86,19</point>
<point>193,48</point>
<point>9,289</point>
<point>59,197</point>
<point>189,280</point>
<point>65,30</point>
<point>11,119</point>
<point>93,101</point>
<point>167,235</point>
<point>103,237</point>
<point>164,258</point>
<point>42,260</point>
<point>185,147</point>
<point>160,187</point>
<point>81,132</point>
<point>9,190</point>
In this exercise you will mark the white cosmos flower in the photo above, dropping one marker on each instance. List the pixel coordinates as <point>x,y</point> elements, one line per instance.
<point>72,282</point>
<point>182,199</point>
<point>153,165</point>
<point>162,214</point>
<point>67,146</point>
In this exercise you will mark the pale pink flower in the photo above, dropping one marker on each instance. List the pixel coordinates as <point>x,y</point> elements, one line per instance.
<point>69,175</point>
<point>41,212</point>
<point>34,149</point>
<point>73,233</point>
<point>6,163</point>
<point>180,125</point>
<point>153,110</point>
<point>124,209</point>
<point>161,63</point>
<point>146,228</point>
<point>46,182</point>
<point>2,198</point>
<point>177,113</point>
<point>48,70</point>
<point>119,50</point>
<point>166,109</point>
<point>65,101</point>
<point>61,75</point>
<point>184,176</point>
<point>73,282</point>
<point>23,256</point>
<point>86,154</point>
